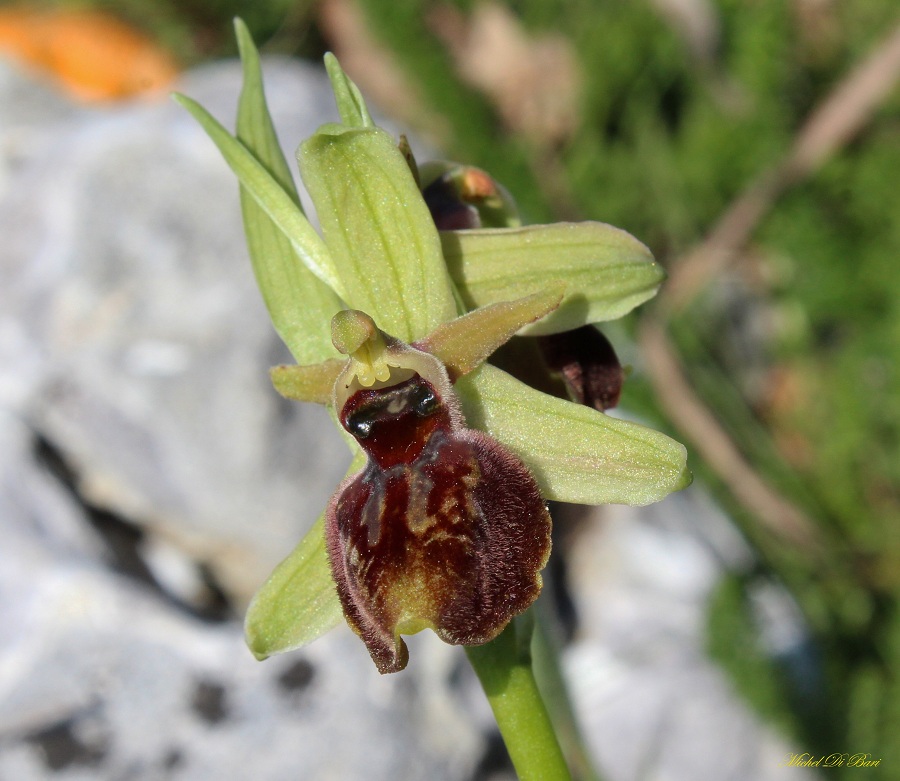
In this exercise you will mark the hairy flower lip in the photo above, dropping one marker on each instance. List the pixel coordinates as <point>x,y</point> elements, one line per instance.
<point>444,528</point>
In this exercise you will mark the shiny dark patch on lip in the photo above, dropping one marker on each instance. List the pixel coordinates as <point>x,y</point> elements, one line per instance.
<point>396,421</point>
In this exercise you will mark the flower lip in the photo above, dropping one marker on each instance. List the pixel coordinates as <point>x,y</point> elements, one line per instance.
<point>444,528</point>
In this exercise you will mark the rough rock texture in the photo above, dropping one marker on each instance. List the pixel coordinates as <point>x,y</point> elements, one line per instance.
<point>150,478</point>
<point>140,341</point>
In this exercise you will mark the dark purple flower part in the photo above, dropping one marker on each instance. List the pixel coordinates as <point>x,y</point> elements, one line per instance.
<point>462,197</point>
<point>444,528</point>
<point>588,365</point>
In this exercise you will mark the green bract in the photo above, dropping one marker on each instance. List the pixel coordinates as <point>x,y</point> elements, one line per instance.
<point>380,253</point>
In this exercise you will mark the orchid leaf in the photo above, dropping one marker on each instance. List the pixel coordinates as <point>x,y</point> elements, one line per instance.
<point>271,197</point>
<point>578,455</point>
<point>313,383</point>
<point>282,278</point>
<point>298,603</point>
<point>465,343</point>
<point>608,271</point>
<point>378,229</point>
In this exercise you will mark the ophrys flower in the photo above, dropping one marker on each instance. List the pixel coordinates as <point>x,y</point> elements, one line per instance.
<point>381,254</point>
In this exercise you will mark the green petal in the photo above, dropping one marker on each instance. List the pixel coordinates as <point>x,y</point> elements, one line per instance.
<point>283,280</point>
<point>314,383</point>
<point>299,602</point>
<point>608,271</point>
<point>271,197</point>
<point>378,229</point>
<point>577,454</point>
<point>465,343</point>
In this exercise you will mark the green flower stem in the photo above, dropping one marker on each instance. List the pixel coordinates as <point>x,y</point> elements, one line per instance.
<point>504,668</point>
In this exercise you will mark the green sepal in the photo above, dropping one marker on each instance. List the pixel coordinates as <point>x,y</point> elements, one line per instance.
<point>271,197</point>
<point>378,229</point>
<point>310,382</point>
<point>577,454</point>
<point>465,343</point>
<point>350,103</point>
<point>299,602</point>
<point>282,278</point>
<point>608,271</point>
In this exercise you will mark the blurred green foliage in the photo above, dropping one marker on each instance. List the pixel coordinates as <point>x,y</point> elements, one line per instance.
<point>796,349</point>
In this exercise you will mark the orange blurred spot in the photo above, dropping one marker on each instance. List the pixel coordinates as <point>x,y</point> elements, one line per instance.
<point>476,184</point>
<point>92,55</point>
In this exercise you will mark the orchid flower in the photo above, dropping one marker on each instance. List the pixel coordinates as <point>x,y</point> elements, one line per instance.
<point>441,521</point>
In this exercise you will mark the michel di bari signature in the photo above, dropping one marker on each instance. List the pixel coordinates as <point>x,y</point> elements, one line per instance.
<point>831,760</point>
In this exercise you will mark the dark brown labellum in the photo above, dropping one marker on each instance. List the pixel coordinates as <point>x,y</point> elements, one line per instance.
<point>444,528</point>
<point>447,208</point>
<point>462,196</point>
<point>588,364</point>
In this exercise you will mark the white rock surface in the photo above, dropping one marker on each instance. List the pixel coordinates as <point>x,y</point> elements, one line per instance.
<point>140,340</point>
<point>651,703</point>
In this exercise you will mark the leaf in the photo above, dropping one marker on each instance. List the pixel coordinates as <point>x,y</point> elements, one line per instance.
<point>608,271</point>
<point>270,196</point>
<point>298,603</point>
<point>300,304</point>
<point>350,103</point>
<point>465,343</point>
<point>578,455</point>
<point>378,229</point>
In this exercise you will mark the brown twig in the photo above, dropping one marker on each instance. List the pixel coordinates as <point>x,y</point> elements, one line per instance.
<point>831,125</point>
<point>710,440</point>
<point>846,110</point>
